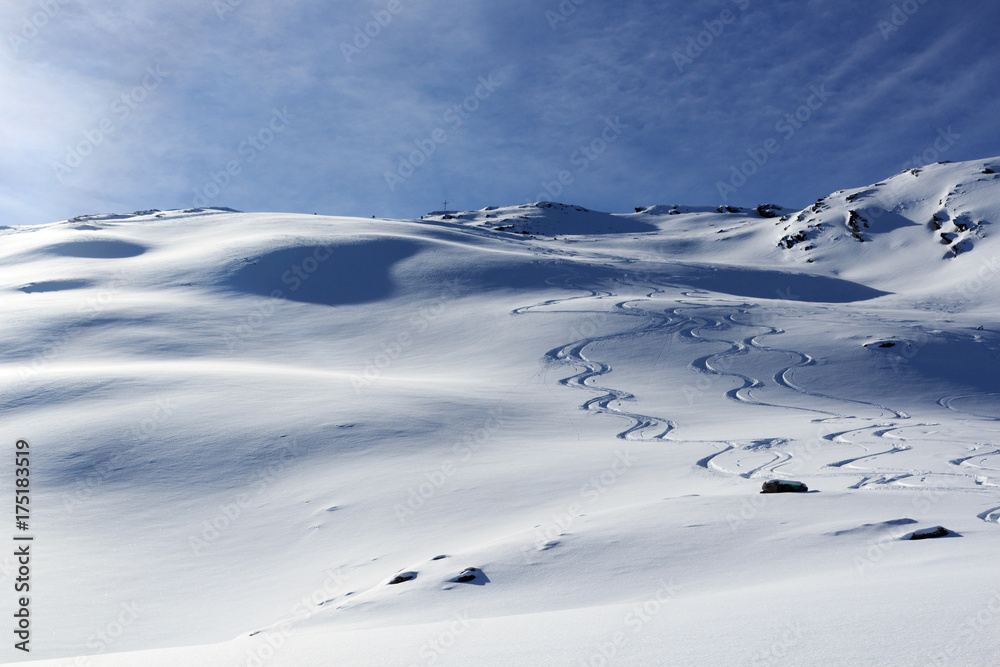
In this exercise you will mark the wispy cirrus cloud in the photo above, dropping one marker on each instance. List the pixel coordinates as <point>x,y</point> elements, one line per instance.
<point>356,117</point>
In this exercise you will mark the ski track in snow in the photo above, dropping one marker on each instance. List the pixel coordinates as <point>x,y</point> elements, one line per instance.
<point>950,401</point>
<point>675,321</point>
<point>702,322</point>
<point>967,460</point>
<point>991,515</point>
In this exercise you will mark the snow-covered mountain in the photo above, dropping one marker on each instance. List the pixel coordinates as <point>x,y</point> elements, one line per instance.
<point>935,212</point>
<point>520,435</point>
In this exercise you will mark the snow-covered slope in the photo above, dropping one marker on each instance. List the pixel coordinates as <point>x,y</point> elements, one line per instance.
<point>940,211</point>
<point>267,439</point>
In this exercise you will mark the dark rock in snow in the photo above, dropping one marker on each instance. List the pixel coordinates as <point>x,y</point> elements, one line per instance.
<point>470,575</point>
<point>789,241</point>
<point>467,575</point>
<point>783,486</point>
<point>879,343</point>
<point>929,533</point>
<point>402,577</point>
<point>852,224</point>
<point>768,210</point>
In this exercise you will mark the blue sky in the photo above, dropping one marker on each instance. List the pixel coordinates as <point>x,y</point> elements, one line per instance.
<point>115,106</point>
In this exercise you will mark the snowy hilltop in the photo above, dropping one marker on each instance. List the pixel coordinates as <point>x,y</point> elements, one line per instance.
<point>518,435</point>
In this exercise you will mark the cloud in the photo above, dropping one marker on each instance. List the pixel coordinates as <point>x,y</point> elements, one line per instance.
<point>367,79</point>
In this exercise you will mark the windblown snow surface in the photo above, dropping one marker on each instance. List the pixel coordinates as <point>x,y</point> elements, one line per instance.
<point>532,435</point>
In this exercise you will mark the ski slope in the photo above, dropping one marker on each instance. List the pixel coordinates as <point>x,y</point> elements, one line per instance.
<point>247,426</point>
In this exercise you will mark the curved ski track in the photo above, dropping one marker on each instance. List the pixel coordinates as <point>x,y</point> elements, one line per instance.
<point>700,322</point>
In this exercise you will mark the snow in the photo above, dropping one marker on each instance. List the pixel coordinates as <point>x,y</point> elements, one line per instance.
<point>245,426</point>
